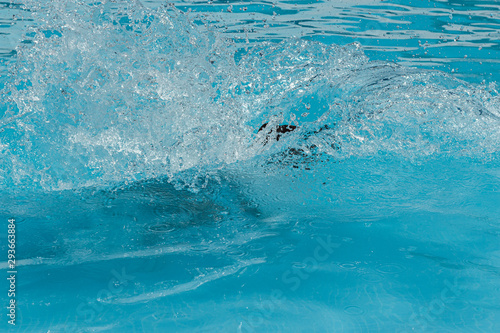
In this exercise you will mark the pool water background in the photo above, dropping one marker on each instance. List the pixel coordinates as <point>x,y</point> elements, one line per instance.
<point>145,199</point>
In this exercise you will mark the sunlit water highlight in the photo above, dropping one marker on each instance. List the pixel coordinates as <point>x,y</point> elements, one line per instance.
<point>146,200</point>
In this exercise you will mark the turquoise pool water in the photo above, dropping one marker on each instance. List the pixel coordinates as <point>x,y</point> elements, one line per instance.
<point>146,200</point>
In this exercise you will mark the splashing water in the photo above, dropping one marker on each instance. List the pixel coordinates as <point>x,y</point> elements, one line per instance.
<point>109,93</point>
<point>118,92</point>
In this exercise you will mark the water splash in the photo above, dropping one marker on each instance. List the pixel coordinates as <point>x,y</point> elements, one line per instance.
<point>116,92</point>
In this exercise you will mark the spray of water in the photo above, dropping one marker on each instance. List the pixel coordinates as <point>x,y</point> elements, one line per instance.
<point>116,92</point>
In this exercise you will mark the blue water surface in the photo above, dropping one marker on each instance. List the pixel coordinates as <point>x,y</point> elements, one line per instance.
<point>146,200</point>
